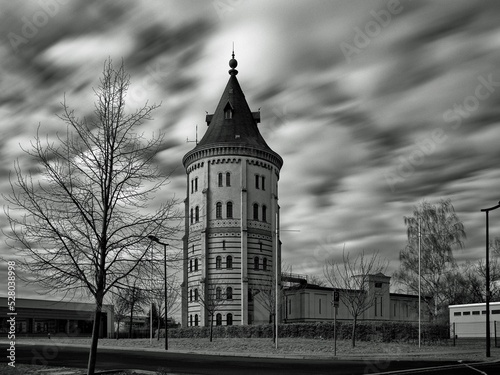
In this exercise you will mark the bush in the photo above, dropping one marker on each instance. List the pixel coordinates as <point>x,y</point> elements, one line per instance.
<point>365,331</point>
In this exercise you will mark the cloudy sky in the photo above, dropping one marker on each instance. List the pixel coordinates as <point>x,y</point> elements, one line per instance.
<point>373,105</point>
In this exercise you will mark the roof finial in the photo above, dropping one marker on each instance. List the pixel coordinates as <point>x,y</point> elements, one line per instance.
<point>233,64</point>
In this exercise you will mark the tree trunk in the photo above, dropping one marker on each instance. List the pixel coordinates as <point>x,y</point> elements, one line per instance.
<point>353,334</point>
<point>95,337</point>
<point>159,327</point>
<point>130,331</point>
<point>211,326</point>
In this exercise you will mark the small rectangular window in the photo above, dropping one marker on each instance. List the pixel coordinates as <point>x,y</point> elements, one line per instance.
<point>457,313</point>
<point>466,313</point>
<point>263,183</point>
<point>483,312</point>
<point>475,313</point>
<point>256,181</point>
<point>495,312</point>
<point>378,285</point>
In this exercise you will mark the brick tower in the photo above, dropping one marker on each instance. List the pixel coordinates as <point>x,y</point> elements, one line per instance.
<point>231,243</point>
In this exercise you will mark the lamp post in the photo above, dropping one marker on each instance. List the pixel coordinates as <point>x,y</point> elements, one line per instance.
<point>487,210</point>
<point>155,239</point>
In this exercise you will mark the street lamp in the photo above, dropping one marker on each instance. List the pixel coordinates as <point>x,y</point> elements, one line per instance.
<point>155,239</point>
<point>487,210</point>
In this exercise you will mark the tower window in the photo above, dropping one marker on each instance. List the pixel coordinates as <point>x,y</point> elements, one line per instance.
<point>219,180</point>
<point>223,244</point>
<point>197,213</point>
<point>190,295</point>
<point>228,114</point>
<point>263,183</point>
<point>196,184</point>
<point>255,211</point>
<point>264,213</point>
<point>218,262</point>
<point>229,210</point>
<point>192,186</point>
<point>218,210</point>
<point>218,319</point>
<point>191,216</point>
<point>196,294</point>
<point>190,320</point>
<point>229,261</point>
<point>218,293</point>
<point>229,293</point>
<point>264,264</point>
<point>196,320</point>
<point>196,264</point>
<point>229,319</point>
<point>257,181</point>
<point>256,263</point>
<point>260,246</point>
<point>228,179</point>
<point>190,265</point>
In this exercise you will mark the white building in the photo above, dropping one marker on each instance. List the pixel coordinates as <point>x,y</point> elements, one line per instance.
<point>469,320</point>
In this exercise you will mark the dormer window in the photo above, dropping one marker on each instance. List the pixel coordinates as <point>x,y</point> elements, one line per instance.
<point>228,111</point>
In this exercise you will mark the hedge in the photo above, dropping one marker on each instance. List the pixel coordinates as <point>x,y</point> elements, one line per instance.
<point>365,331</point>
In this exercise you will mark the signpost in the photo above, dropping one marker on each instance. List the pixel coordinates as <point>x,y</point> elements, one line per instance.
<point>335,302</point>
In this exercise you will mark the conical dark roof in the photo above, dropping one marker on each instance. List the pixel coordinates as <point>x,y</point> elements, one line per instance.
<point>233,125</point>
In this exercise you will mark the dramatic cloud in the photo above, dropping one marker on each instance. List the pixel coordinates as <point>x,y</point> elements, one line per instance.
<point>374,106</point>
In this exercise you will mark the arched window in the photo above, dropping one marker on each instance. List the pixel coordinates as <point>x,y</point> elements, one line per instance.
<point>190,295</point>
<point>218,262</point>
<point>196,294</point>
<point>218,319</point>
<point>190,265</point>
<point>192,186</point>
<point>228,179</point>
<point>218,293</point>
<point>223,244</point>
<point>196,184</point>
<point>260,246</point>
<point>190,320</point>
<point>196,264</point>
<point>219,180</point>
<point>264,264</point>
<point>263,184</point>
<point>229,210</point>
<point>255,211</point>
<point>264,213</point>
<point>229,293</point>
<point>196,320</point>
<point>191,216</point>
<point>229,261</point>
<point>197,213</point>
<point>256,263</point>
<point>257,181</point>
<point>229,319</point>
<point>218,210</point>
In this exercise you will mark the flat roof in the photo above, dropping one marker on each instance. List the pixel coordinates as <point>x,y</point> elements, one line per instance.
<point>474,305</point>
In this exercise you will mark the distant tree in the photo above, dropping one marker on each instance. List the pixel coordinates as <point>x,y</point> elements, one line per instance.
<point>120,308</point>
<point>78,211</point>
<point>441,232</point>
<point>211,297</point>
<point>316,280</point>
<point>157,297</point>
<point>351,276</point>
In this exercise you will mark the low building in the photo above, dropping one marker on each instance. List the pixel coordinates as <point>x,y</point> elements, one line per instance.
<point>306,302</point>
<point>469,320</point>
<point>35,317</point>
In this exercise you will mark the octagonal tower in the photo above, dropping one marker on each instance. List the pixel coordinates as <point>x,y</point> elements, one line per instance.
<point>231,243</point>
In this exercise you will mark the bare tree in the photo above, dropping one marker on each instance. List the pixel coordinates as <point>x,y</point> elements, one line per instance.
<point>158,299</point>
<point>441,232</point>
<point>211,297</point>
<point>79,214</point>
<point>352,277</point>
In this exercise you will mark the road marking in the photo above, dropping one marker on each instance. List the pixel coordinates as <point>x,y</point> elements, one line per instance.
<point>472,368</point>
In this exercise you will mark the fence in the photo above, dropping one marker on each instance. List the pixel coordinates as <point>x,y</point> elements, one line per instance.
<point>469,332</point>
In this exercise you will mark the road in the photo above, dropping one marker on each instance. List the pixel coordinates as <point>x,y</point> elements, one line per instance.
<point>177,363</point>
